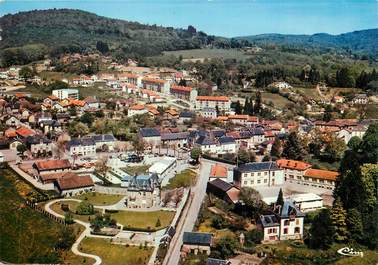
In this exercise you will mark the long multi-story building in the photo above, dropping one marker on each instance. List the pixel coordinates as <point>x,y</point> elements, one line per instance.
<point>184,92</point>
<point>158,85</point>
<point>223,103</point>
<point>66,93</point>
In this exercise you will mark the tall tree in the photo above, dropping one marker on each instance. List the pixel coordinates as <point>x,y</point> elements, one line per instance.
<point>338,220</point>
<point>293,149</point>
<point>354,224</point>
<point>258,103</point>
<point>238,107</point>
<point>276,148</point>
<point>321,231</point>
<point>280,199</point>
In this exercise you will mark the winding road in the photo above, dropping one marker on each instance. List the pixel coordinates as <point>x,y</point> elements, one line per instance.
<point>86,232</point>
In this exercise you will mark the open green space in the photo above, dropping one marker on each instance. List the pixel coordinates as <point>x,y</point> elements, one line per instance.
<point>112,254</point>
<point>144,220</point>
<point>372,111</point>
<point>278,100</point>
<point>185,178</point>
<point>100,199</point>
<point>72,205</point>
<point>27,236</point>
<point>210,53</point>
<point>136,170</point>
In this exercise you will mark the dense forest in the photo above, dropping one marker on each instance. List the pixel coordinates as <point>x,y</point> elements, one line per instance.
<point>363,42</point>
<point>27,36</point>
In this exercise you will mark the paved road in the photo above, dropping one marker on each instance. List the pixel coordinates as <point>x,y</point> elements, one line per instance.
<point>190,214</point>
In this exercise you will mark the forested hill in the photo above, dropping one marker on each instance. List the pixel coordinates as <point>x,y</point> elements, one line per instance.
<point>59,30</point>
<point>363,41</point>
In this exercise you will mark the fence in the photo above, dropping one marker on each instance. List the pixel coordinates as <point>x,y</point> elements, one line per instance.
<point>46,213</point>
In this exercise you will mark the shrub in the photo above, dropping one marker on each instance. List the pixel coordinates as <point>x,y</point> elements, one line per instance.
<point>85,208</point>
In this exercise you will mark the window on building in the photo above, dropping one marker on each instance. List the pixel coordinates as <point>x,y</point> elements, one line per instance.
<point>286,222</point>
<point>258,181</point>
<point>245,182</point>
<point>273,173</point>
<point>259,174</point>
<point>265,181</point>
<point>297,221</point>
<point>297,230</point>
<point>265,173</point>
<point>285,231</point>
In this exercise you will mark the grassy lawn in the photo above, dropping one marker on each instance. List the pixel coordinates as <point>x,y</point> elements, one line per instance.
<point>144,220</point>
<point>56,207</point>
<point>112,254</point>
<point>324,165</point>
<point>372,111</point>
<point>278,101</point>
<point>210,53</point>
<point>136,170</point>
<point>185,178</point>
<point>100,199</point>
<point>26,236</point>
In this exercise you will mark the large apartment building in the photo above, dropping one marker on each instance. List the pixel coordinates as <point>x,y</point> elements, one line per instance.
<point>66,93</point>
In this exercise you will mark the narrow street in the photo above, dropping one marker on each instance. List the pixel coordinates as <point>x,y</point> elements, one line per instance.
<point>190,214</point>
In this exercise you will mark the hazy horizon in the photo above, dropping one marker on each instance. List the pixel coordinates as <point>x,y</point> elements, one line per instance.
<point>226,17</point>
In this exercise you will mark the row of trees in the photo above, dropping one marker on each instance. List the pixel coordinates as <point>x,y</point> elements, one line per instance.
<point>354,215</point>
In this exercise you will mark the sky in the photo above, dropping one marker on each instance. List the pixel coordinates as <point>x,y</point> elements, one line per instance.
<point>227,18</point>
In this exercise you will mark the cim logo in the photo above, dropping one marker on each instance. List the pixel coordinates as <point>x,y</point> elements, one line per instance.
<point>346,251</point>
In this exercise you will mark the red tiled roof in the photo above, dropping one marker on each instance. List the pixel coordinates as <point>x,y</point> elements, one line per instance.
<point>53,164</point>
<point>25,132</point>
<point>137,107</point>
<point>293,164</point>
<point>218,171</point>
<point>153,80</point>
<point>182,88</point>
<point>321,174</point>
<point>127,75</point>
<point>74,182</point>
<point>213,98</point>
<point>10,133</point>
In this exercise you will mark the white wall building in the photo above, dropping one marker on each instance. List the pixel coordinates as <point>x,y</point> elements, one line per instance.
<point>66,93</point>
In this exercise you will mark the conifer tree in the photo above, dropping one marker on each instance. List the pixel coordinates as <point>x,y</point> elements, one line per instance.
<point>276,148</point>
<point>280,199</point>
<point>338,220</point>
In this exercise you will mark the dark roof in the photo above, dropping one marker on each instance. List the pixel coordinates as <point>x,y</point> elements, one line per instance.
<point>143,183</point>
<point>258,166</point>
<point>288,208</point>
<point>256,131</point>
<point>175,136</point>
<point>269,220</point>
<point>218,133</point>
<point>81,142</point>
<point>220,184</point>
<point>103,138</point>
<point>194,238</point>
<point>226,140</point>
<point>149,132</point>
<point>203,140</point>
<point>211,261</point>
<point>37,139</point>
<point>186,114</point>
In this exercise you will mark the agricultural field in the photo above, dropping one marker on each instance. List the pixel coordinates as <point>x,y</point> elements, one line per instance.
<point>116,254</point>
<point>278,100</point>
<point>27,236</point>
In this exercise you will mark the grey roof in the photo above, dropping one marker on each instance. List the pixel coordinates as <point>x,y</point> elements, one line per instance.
<point>203,140</point>
<point>226,140</point>
<point>81,142</point>
<point>175,136</point>
<point>269,220</point>
<point>195,238</point>
<point>186,114</point>
<point>36,140</point>
<point>258,166</point>
<point>220,184</point>
<point>144,183</point>
<point>218,133</point>
<point>149,132</point>
<point>211,261</point>
<point>103,138</point>
<point>256,131</point>
<point>288,208</point>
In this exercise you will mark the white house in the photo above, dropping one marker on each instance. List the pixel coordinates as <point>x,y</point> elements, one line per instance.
<point>81,147</point>
<point>258,174</point>
<point>223,103</point>
<point>285,223</point>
